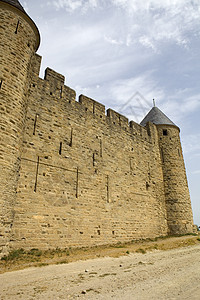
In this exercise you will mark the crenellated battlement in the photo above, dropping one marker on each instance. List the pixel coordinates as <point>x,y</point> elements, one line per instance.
<point>117,118</point>
<point>54,78</point>
<point>55,84</point>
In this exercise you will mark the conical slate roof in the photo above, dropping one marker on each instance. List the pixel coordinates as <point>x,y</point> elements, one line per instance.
<point>157,117</point>
<point>14,3</point>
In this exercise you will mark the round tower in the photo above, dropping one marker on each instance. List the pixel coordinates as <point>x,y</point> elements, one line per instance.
<point>19,40</point>
<point>177,197</point>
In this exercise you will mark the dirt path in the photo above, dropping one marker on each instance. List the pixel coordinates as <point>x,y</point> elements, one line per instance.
<point>172,274</point>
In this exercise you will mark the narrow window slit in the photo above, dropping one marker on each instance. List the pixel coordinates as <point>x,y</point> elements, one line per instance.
<point>1,83</point>
<point>61,92</point>
<point>101,148</point>
<point>36,176</point>
<point>35,124</point>
<point>149,171</point>
<point>71,139</point>
<point>107,188</point>
<point>60,150</point>
<point>93,108</point>
<point>162,155</point>
<point>131,166</point>
<point>17,27</point>
<point>77,182</point>
<point>93,157</point>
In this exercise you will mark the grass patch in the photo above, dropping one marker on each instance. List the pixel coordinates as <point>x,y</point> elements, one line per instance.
<point>34,252</point>
<point>13,255</point>
<point>20,258</point>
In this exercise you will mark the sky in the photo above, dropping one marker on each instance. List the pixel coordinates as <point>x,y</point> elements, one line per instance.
<point>124,54</point>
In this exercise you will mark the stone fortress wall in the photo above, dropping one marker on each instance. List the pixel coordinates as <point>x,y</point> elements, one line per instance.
<point>72,175</point>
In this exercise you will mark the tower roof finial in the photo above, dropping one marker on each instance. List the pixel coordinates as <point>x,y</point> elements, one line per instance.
<point>154,102</point>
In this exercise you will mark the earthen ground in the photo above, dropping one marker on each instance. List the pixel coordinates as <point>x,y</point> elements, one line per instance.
<point>156,274</point>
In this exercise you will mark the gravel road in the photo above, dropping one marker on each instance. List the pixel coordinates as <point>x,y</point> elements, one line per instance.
<point>173,274</point>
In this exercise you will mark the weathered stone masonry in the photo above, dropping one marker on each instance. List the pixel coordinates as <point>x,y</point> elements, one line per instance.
<point>72,175</point>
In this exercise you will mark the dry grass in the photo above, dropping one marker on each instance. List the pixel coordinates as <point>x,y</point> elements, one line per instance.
<point>20,259</point>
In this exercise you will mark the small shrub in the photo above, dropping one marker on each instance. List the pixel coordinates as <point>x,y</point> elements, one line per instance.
<point>141,250</point>
<point>35,252</point>
<point>14,254</point>
<point>118,245</point>
<point>155,246</point>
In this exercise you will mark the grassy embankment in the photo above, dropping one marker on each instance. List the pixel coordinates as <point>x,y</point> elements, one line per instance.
<point>20,259</point>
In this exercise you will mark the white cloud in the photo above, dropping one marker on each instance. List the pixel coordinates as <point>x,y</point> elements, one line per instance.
<point>150,22</point>
<point>72,5</point>
<point>113,41</point>
<point>69,5</point>
<point>162,20</point>
<point>180,104</point>
<point>128,40</point>
<point>146,41</point>
<point>191,144</point>
<point>133,96</point>
<point>173,6</point>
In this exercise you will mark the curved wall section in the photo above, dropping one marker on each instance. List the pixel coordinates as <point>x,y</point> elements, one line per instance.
<point>18,42</point>
<point>178,204</point>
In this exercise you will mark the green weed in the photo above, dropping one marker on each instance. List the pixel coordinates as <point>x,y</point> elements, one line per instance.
<point>15,254</point>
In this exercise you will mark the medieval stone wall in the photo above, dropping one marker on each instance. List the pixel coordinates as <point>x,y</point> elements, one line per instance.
<point>71,174</point>
<point>86,178</point>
